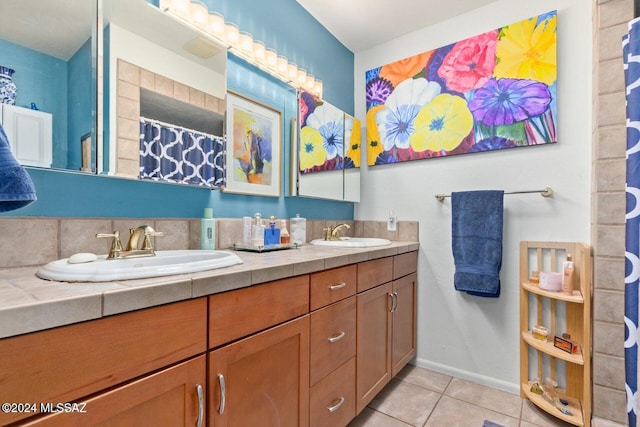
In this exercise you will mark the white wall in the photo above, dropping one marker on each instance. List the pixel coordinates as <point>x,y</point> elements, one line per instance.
<point>471,337</point>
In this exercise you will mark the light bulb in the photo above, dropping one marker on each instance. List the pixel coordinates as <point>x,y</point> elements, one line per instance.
<point>282,64</point>
<point>245,41</point>
<point>259,51</point>
<point>292,71</point>
<point>199,15</point>
<point>271,59</point>
<point>231,34</point>
<point>318,88</point>
<point>302,77</point>
<point>311,83</point>
<point>179,8</point>
<point>216,25</point>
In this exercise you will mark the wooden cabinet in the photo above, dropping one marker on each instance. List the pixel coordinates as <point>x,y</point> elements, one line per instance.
<point>170,398</point>
<point>302,351</point>
<point>68,363</point>
<point>559,313</point>
<point>386,327</point>
<point>262,380</point>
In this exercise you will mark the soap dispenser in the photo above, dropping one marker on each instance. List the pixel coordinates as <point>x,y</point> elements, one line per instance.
<point>271,233</point>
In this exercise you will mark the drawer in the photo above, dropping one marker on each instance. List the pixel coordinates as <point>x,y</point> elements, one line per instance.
<point>404,264</point>
<point>375,272</point>
<point>332,285</point>
<point>236,314</point>
<point>332,338</point>
<point>67,363</point>
<point>332,401</point>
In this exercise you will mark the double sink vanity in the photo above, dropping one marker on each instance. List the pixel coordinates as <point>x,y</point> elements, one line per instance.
<point>300,337</point>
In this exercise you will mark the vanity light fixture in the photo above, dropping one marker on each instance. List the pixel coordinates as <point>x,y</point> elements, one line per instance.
<point>196,14</point>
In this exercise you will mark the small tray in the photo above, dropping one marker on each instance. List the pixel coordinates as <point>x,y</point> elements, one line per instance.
<point>269,248</point>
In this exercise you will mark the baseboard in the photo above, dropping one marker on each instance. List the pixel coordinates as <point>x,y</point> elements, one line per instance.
<point>468,376</point>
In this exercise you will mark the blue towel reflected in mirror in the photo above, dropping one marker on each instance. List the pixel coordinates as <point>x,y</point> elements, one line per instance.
<point>476,238</point>
<point>16,187</point>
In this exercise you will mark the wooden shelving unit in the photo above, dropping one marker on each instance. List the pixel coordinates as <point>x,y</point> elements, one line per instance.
<point>558,313</point>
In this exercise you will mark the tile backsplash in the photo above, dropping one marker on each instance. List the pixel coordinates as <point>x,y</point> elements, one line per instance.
<point>31,241</point>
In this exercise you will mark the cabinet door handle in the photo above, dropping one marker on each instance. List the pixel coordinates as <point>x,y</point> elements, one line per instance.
<point>200,405</point>
<point>337,337</point>
<point>337,406</point>
<point>223,392</point>
<point>395,300</point>
<point>391,303</point>
<point>338,286</point>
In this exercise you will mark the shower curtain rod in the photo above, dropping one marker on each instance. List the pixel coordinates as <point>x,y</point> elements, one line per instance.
<point>546,192</point>
<point>172,125</point>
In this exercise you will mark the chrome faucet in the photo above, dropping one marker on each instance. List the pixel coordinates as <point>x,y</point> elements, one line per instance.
<point>133,248</point>
<point>332,233</point>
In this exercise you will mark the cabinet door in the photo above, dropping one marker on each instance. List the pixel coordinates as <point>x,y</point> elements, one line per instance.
<point>403,346</point>
<point>373,350</point>
<point>29,132</point>
<point>262,380</point>
<point>173,397</point>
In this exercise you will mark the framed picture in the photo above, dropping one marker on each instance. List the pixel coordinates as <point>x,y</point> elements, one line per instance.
<point>493,91</point>
<point>254,147</point>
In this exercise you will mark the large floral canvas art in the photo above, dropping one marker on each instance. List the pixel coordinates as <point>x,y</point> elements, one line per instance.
<point>254,147</point>
<point>329,138</point>
<point>489,92</point>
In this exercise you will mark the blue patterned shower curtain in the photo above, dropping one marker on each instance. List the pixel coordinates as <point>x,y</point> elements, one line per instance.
<point>631,57</point>
<point>174,154</point>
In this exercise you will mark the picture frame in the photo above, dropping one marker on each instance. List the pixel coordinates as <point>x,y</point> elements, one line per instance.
<point>254,147</point>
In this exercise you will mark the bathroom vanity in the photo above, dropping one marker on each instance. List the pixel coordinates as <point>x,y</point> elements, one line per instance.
<point>304,337</point>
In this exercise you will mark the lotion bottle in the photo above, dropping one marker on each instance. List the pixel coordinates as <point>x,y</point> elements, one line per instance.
<point>208,230</point>
<point>285,238</point>
<point>567,277</point>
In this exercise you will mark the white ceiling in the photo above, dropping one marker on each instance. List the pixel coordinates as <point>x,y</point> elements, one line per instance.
<point>363,24</point>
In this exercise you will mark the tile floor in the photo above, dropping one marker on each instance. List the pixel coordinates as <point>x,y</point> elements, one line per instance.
<point>423,398</point>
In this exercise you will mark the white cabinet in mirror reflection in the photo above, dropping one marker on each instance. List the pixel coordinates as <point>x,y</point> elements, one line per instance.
<point>30,134</point>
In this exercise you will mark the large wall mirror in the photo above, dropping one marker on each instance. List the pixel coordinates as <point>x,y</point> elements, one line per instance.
<point>326,151</point>
<point>161,72</point>
<point>49,50</point>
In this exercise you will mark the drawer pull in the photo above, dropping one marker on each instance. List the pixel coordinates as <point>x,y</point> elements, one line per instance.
<point>338,286</point>
<point>337,337</point>
<point>222,394</point>
<point>337,406</point>
<point>200,405</point>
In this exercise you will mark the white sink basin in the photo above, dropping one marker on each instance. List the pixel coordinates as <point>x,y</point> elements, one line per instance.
<point>164,263</point>
<point>352,242</point>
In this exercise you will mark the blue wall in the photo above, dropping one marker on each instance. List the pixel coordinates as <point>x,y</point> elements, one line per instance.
<point>283,25</point>
<point>41,79</point>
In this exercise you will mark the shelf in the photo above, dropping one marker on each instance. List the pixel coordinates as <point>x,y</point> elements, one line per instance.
<point>534,289</point>
<point>576,407</point>
<point>547,347</point>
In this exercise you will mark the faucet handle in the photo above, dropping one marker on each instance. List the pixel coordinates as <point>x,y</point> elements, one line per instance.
<point>148,233</point>
<point>116,244</point>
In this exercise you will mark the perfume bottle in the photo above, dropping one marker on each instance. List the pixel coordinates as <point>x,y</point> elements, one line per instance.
<point>257,234</point>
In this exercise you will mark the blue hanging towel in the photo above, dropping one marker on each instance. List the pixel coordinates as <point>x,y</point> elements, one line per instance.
<point>16,187</point>
<point>476,238</point>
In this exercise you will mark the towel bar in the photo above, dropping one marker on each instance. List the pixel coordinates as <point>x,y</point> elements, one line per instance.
<point>546,192</point>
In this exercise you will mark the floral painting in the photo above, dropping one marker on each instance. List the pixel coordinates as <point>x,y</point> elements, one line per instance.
<point>254,147</point>
<point>489,92</point>
<point>329,139</point>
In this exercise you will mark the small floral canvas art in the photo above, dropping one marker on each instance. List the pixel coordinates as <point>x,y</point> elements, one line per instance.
<point>489,92</point>
<point>329,138</point>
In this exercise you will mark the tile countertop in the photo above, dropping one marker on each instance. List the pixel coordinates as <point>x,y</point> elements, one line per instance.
<point>30,304</point>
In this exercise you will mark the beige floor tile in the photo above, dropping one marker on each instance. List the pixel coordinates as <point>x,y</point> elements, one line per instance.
<point>537,417</point>
<point>424,378</point>
<point>406,402</point>
<point>370,418</point>
<point>451,412</point>
<point>487,397</point>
